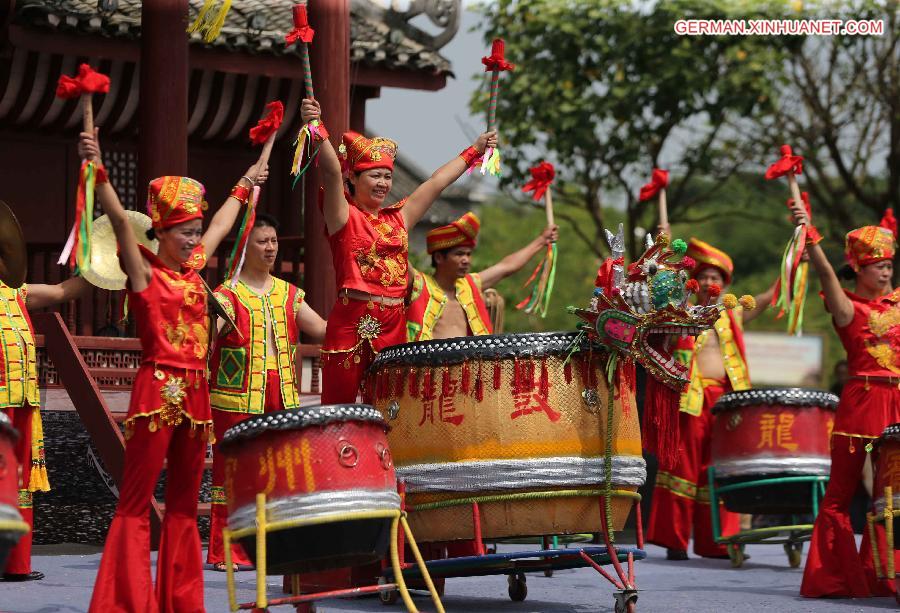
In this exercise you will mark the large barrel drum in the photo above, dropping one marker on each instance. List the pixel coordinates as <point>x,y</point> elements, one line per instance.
<point>887,474</point>
<point>315,462</point>
<point>11,525</point>
<point>767,434</point>
<point>521,417</point>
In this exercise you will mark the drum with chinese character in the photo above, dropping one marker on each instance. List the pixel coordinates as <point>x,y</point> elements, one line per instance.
<point>886,462</point>
<point>508,422</point>
<point>313,463</point>
<point>11,525</point>
<point>769,434</point>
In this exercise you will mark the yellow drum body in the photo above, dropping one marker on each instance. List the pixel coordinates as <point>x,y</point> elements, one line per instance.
<point>508,422</point>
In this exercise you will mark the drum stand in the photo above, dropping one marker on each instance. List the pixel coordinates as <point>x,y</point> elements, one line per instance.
<point>887,516</point>
<point>263,527</point>
<point>514,565</point>
<point>791,536</point>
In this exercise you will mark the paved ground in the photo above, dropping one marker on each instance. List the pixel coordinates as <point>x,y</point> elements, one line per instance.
<point>766,583</point>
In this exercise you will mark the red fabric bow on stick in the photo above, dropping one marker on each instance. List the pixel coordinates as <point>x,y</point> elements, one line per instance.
<point>85,84</point>
<point>659,180</point>
<point>266,129</point>
<point>542,176</point>
<point>495,63</point>
<point>789,165</point>
<point>301,32</point>
<point>496,60</point>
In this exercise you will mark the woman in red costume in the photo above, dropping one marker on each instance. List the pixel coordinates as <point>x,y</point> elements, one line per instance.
<point>370,250</point>
<point>867,321</point>
<point>169,416</point>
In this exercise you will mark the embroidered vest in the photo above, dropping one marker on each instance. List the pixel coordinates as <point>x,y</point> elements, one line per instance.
<point>729,330</point>
<point>238,363</point>
<point>427,302</point>
<point>19,384</point>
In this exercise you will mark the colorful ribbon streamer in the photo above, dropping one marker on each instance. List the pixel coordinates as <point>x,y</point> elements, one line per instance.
<point>77,251</point>
<point>210,20</point>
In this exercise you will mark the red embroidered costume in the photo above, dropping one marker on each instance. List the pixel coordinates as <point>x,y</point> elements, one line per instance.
<point>370,255</point>
<point>247,379</point>
<point>681,502</point>
<point>870,401</point>
<point>20,400</point>
<point>169,419</point>
<point>428,299</point>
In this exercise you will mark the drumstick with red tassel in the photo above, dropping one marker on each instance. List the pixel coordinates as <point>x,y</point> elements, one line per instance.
<point>659,180</point>
<point>264,133</point>
<point>314,131</point>
<point>495,63</point>
<point>542,176</point>
<point>77,250</point>
<point>790,289</point>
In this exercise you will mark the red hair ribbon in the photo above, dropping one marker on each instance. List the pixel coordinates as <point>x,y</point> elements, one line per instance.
<point>658,180</point>
<point>87,81</point>
<point>269,124</point>
<point>789,163</point>
<point>542,176</point>
<point>496,60</point>
<point>301,32</point>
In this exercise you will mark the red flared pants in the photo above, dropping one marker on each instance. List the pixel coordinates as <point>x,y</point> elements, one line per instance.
<point>124,582</point>
<point>222,421</point>
<point>19,561</point>
<point>681,496</point>
<point>834,567</point>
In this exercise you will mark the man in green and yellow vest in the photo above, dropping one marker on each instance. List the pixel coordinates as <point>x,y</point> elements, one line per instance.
<point>20,400</point>
<point>451,303</point>
<point>718,364</point>
<point>252,369</point>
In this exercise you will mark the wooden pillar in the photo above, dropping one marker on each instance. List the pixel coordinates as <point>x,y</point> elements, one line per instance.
<point>330,60</point>
<point>163,148</point>
<point>359,95</point>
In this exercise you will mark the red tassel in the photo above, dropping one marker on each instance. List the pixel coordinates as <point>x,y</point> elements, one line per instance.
<point>517,377</point>
<point>413,384</point>
<point>465,377</point>
<point>567,372</point>
<point>660,427</point>
<point>530,378</point>
<point>428,385</point>
<point>497,375</point>
<point>445,382</point>
<point>545,379</point>
<point>399,380</point>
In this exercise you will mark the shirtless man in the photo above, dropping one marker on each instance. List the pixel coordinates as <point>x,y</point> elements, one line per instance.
<point>451,303</point>
<point>717,365</point>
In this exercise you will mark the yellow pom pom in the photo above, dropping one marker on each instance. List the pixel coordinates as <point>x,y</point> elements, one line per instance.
<point>748,302</point>
<point>729,301</point>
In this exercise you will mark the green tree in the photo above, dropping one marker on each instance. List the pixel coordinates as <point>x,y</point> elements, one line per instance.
<point>607,91</point>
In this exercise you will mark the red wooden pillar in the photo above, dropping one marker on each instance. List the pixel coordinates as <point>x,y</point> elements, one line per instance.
<point>330,60</point>
<point>359,95</point>
<point>163,148</point>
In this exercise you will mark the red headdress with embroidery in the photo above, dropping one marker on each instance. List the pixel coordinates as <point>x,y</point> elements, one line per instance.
<point>173,200</point>
<point>461,233</point>
<point>871,244</point>
<point>359,153</point>
<point>705,255</point>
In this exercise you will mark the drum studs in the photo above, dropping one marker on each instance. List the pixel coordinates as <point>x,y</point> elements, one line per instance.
<point>393,410</point>
<point>348,455</point>
<point>591,399</point>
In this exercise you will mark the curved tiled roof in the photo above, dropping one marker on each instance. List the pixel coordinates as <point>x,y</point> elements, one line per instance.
<point>252,26</point>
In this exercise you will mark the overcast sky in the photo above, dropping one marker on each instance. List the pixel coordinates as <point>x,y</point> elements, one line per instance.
<point>432,127</point>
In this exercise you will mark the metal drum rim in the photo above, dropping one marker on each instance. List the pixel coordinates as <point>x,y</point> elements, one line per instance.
<point>299,419</point>
<point>488,346</point>
<point>891,433</point>
<point>782,396</point>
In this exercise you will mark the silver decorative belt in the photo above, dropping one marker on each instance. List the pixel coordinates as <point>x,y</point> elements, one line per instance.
<point>810,465</point>
<point>484,475</point>
<point>319,504</point>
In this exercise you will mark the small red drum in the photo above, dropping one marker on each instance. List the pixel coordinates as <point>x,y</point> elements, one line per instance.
<point>768,434</point>
<point>886,461</point>
<point>11,525</point>
<point>316,462</point>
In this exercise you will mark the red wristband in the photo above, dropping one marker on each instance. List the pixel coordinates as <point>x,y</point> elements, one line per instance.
<point>100,175</point>
<point>812,236</point>
<point>321,134</point>
<point>240,193</point>
<point>469,155</point>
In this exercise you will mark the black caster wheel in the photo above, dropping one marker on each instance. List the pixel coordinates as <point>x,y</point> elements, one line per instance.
<point>794,553</point>
<point>388,597</point>
<point>626,602</point>
<point>736,554</point>
<point>518,589</point>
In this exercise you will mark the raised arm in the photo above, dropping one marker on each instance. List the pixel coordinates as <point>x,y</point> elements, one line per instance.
<point>762,303</point>
<point>836,300</point>
<point>136,267</point>
<point>311,323</point>
<point>336,207</point>
<point>40,296</point>
<point>425,195</point>
<point>515,261</point>
<point>224,219</point>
